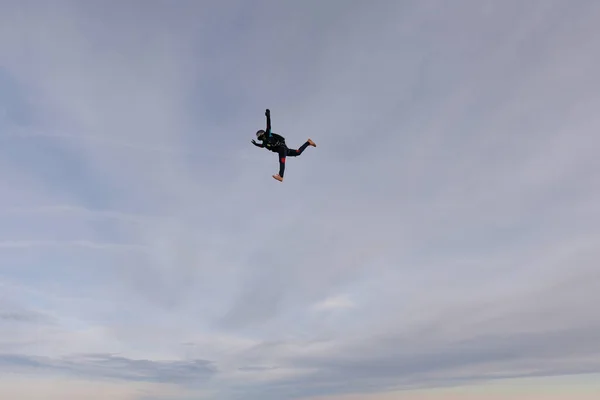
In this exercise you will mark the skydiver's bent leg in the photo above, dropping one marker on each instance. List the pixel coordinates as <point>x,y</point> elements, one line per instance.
<point>295,153</point>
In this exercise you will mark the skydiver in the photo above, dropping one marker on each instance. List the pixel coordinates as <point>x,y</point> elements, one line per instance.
<point>276,143</point>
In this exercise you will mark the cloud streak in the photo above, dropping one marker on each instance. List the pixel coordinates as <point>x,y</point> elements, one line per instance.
<point>111,366</point>
<point>83,244</point>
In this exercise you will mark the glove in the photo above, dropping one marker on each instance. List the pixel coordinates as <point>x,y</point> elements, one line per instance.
<point>253,141</point>
<point>267,112</point>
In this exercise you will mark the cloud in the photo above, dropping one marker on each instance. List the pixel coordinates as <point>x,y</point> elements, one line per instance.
<point>80,211</point>
<point>23,316</point>
<point>111,366</point>
<point>542,332</point>
<point>56,388</point>
<point>85,244</point>
<point>98,139</point>
<point>332,303</point>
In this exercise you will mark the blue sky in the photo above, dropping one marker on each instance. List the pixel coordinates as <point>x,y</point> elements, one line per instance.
<point>443,233</point>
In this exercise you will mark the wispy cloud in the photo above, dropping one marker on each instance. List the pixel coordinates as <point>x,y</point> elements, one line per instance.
<point>75,243</point>
<point>112,366</point>
<point>332,303</point>
<point>98,139</point>
<point>70,210</point>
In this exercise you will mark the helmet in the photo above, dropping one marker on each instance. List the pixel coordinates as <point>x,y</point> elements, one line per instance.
<point>260,133</point>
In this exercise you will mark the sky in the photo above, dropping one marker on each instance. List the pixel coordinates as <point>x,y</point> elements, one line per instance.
<point>442,240</point>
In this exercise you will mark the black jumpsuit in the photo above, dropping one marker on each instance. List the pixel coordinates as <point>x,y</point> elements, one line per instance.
<point>276,143</point>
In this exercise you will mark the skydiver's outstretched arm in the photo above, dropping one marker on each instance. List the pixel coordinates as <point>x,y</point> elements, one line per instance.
<point>268,115</point>
<point>257,144</point>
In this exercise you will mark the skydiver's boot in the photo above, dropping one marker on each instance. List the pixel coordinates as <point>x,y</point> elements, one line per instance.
<point>311,143</point>
<point>279,178</point>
